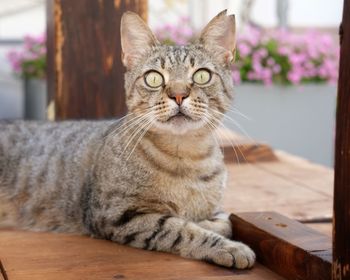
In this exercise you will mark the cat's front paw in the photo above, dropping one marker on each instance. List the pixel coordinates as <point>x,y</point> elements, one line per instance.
<point>232,254</point>
<point>222,227</point>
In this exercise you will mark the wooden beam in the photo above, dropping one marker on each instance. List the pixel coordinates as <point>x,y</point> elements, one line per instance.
<point>248,153</point>
<point>287,247</point>
<point>341,221</point>
<point>85,72</point>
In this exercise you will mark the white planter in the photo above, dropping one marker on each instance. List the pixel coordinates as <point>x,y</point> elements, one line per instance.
<point>35,99</point>
<point>11,98</point>
<point>297,119</point>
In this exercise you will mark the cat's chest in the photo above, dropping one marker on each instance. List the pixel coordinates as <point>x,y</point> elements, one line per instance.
<point>192,199</point>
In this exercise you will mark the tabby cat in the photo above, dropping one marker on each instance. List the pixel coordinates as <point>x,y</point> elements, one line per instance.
<point>152,180</point>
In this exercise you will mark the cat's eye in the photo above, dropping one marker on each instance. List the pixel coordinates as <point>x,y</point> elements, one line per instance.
<point>154,79</point>
<point>201,76</point>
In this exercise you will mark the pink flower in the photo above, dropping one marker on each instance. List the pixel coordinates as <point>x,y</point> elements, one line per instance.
<point>276,69</point>
<point>187,31</point>
<point>251,76</point>
<point>270,61</point>
<point>257,66</point>
<point>244,49</point>
<point>284,50</point>
<point>262,52</point>
<point>294,77</point>
<point>297,58</point>
<point>266,73</point>
<point>28,61</point>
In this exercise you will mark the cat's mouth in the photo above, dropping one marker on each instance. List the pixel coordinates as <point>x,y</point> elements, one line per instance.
<point>179,116</point>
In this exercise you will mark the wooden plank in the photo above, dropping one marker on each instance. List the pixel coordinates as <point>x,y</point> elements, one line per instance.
<point>341,229</point>
<point>287,247</point>
<point>47,256</point>
<point>302,172</point>
<point>253,189</point>
<point>85,72</point>
<point>325,228</point>
<point>239,149</point>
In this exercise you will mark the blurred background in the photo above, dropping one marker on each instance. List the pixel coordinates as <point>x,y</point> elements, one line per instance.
<point>285,72</point>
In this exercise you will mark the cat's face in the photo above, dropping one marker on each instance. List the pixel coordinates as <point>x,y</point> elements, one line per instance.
<point>178,88</point>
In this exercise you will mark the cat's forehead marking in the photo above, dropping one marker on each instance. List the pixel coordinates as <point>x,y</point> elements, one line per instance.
<point>177,61</point>
<point>177,56</point>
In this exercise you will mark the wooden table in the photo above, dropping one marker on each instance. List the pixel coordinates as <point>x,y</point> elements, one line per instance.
<point>287,184</point>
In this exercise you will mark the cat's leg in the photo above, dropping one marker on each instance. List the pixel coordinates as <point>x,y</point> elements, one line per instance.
<point>168,233</point>
<point>220,224</point>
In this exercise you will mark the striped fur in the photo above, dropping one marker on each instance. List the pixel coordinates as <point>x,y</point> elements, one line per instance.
<point>153,180</point>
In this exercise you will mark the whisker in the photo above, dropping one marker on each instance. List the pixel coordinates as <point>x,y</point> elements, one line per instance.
<point>230,140</point>
<point>116,124</point>
<point>135,133</point>
<point>122,123</point>
<point>233,145</point>
<point>145,128</point>
<point>212,129</point>
<point>220,136</point>
<point>235,123</point>
<point>133,124</point>
<point>236,111</point>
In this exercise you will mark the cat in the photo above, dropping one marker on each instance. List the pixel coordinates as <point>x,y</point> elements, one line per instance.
<point>153,180</point>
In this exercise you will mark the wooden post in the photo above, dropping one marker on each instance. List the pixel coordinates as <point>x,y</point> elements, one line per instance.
<point>341,220</point>
<point>85,73</point>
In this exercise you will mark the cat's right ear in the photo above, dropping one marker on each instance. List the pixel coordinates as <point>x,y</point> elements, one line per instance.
<point>136,38</point>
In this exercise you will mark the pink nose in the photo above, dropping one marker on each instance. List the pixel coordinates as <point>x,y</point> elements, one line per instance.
<point>179,97</point>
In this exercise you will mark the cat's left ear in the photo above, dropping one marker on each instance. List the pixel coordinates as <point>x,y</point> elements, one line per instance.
<point>220,36</point>
<point>136,38</point>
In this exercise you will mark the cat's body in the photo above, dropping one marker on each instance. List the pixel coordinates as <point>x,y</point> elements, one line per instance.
<point>66,166</point>
<point>153,180</point>
<point>43,168</point>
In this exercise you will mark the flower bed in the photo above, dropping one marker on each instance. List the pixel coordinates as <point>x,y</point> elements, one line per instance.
<point>286,58</point>
<point>267,57</point>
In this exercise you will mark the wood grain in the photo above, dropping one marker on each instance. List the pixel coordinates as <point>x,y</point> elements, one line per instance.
<point>301,172</point>
<point>251,188</point>
<point>85,72</point>
<point>325,228</point>
<point>47,256</point>
<point>341,229</point>
<point>289,248</point>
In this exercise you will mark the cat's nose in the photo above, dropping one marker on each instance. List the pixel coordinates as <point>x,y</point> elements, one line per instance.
<point>179,96</point>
